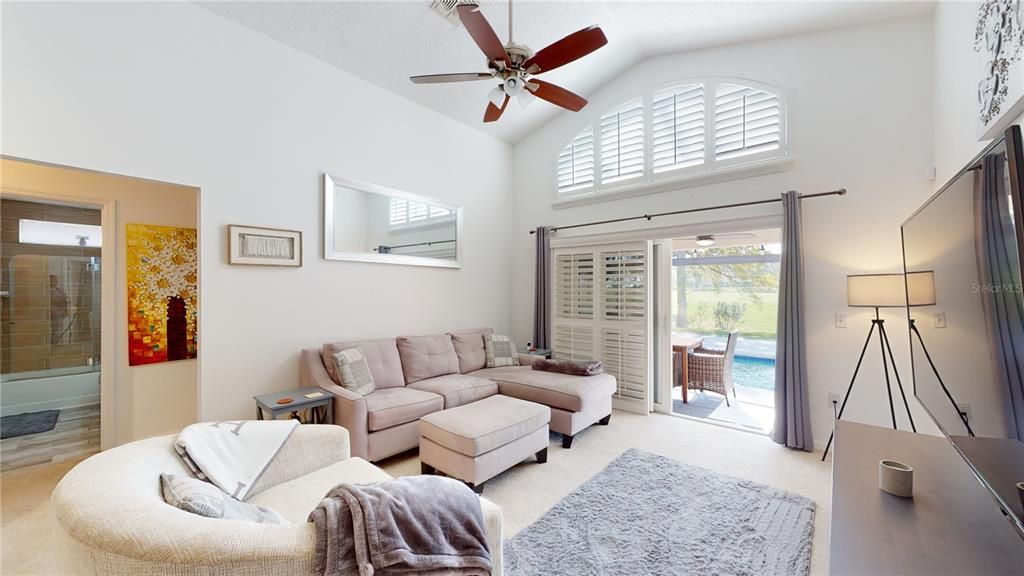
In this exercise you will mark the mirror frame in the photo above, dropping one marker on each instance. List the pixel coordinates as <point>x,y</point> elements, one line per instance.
<point>330,253</point>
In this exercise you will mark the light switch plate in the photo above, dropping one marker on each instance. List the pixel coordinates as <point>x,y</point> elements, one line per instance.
<point>940,320</point>
<point>840,320</point>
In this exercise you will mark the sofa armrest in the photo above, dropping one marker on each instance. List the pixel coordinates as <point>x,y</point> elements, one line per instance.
<point>309,448</point>
<point>349,407</point>
<point>528,359</point>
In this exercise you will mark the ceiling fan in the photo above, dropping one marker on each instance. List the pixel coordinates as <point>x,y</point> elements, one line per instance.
<point>516,64</point>
<point>709,239</point>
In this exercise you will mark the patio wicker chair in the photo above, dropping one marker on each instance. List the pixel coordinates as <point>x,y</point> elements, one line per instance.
<point>711,369</point>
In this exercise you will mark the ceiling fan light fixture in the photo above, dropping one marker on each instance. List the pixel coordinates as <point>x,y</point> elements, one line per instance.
<point>496,96</point>
<point>705,240</point>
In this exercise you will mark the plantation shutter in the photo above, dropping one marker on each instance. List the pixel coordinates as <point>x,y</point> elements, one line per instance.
<point>622,142</point>
<point>601,312</point>
<point>677,131</point>
<point>576,163</point>
<point>746,121</point>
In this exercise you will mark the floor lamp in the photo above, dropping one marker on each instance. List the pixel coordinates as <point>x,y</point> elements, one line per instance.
<point>884,291</point>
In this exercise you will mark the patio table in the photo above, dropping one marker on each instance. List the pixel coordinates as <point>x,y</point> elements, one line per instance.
<point>682,343</point>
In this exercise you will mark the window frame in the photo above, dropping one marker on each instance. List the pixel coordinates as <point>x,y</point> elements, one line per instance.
<point>710,170</point>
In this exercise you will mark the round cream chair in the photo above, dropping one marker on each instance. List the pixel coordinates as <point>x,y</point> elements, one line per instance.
<point>109,515</point>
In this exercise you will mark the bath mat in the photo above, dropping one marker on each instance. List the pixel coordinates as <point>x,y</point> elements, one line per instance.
<point>28,423</point>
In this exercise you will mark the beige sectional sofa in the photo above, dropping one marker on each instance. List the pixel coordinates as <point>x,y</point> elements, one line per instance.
<point>419,375</point>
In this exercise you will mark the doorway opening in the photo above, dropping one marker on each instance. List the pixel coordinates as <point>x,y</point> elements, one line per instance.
<point>724,320</point>
<point>50,319</point>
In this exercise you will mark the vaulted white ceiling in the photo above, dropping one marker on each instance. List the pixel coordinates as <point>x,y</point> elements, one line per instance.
<point>386,42</point>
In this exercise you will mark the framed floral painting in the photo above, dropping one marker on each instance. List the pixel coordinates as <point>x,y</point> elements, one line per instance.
<point>999,47</point>
<point>162,294</point>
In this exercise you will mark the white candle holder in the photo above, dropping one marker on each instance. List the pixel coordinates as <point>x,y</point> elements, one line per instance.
<point>896,478</point>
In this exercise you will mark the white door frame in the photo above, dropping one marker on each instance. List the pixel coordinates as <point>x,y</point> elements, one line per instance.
<point>108,301</point>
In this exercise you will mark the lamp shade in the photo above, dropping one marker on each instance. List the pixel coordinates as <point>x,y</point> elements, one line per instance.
<point>890,290</point>
<point>921,288</point>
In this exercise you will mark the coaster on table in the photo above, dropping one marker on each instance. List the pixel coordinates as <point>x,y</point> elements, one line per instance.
<point>285,401</point>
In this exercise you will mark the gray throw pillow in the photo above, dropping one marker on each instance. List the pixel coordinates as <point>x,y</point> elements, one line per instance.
<point>354,371</point>
<point>500,351</point>
<point>202,498</point>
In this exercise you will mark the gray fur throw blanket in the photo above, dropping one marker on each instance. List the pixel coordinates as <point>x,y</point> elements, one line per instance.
<point>589,368</point>
<point>428,525</point>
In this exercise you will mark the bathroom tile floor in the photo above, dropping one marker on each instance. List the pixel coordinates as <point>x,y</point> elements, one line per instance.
<point>76,434</point>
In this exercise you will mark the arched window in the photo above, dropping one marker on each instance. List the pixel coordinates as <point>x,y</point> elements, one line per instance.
<point>680,132</point>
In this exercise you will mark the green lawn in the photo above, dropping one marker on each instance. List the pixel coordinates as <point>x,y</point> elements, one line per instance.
<point>759,316</point>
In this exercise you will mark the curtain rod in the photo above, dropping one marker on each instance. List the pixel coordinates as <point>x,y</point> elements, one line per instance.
<point>839,192</point>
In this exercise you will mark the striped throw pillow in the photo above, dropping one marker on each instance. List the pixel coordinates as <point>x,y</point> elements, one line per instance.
<point>500,351</point>
<point>354,371</point>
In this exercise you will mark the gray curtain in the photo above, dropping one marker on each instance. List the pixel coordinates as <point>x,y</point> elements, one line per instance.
<point>542,288</point>
<point>999,268</point>
<point>792,407</point>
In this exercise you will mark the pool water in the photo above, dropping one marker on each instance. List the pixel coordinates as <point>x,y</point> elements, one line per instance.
<point>754,372</point>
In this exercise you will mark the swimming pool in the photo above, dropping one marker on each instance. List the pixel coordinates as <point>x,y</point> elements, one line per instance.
<point>754,372</point>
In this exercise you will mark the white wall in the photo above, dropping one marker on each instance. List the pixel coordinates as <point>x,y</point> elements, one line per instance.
<point>173,92</point>
<point>859,117</point>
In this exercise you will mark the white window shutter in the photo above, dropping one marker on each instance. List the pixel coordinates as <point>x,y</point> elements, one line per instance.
<point>574,286</point>
<point>576,163</point>
<point>624,355</point>
<point>677,128</point>
<point>746,121</point>
<point>622,142</point>
<point>398,212</point>
<point>624,285</point>
<point>573,343</point>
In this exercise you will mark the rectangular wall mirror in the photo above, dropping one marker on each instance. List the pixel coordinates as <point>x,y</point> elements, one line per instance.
<point>369,223</point>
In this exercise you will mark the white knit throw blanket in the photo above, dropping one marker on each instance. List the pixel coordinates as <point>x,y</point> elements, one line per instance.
<point>232,455</point>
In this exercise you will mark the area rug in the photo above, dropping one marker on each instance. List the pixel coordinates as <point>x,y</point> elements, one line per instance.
<point>28,423</point>
<point>647,514</point>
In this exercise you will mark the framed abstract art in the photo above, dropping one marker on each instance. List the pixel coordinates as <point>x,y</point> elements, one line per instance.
<point>264,246</point>
<point>999,49</point>
<point>162,294</point>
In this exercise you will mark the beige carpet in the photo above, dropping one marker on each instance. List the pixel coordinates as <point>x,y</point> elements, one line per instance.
<point>524,493</point>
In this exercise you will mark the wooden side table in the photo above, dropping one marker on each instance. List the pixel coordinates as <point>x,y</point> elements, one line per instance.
<point>320,407</point>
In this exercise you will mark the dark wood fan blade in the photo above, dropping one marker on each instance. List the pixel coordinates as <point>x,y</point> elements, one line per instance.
<point>572,47</point>
<point>459,77</point>
<point>557,95</point>
<point>482,33</point>
<point>493,112</point>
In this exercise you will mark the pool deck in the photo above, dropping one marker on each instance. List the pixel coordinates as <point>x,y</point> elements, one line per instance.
<point>751,347</point>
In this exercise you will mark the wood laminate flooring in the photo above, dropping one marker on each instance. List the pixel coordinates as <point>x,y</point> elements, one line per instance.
<point>76,434</point>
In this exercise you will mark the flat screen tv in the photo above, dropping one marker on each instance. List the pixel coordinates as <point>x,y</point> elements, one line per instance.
<point>967,329</point>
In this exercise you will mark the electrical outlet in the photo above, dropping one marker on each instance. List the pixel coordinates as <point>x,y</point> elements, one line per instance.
<point>940,320</point>
<point>840,320</point>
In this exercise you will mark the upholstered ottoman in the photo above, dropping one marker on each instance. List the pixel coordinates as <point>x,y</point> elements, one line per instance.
<point>478,441</point>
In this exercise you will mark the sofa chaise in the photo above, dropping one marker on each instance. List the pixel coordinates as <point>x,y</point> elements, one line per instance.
<point>419,375</point>
<point>110,517</point>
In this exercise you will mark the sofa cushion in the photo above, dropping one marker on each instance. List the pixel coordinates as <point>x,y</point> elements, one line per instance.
<point>500,351</point>
<point>354,371</point>
<point>469,347</point>
<point>204,499</point>
<point>389,407</point>
<point>296,498</point>
<point>482,426</point>
<point>550,388</point>
<point>381,355</point>
<point>427,356</point>
<point>458,389</point>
